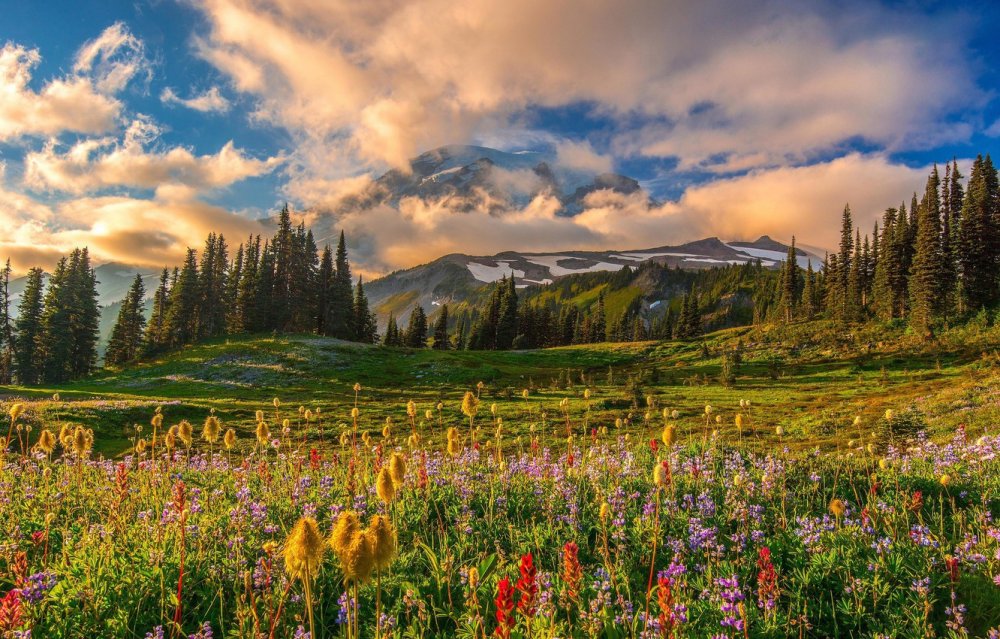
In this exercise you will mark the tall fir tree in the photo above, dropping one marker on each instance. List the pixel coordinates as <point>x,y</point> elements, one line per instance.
<point>181,322</point>
<point>341,297</point>
<point>416,330</point>
<point>27,353</point>
<point>441,342</point>
<point>925,273</point>
<point>6,327</point>
<point>126,344</point>
<point>789,284</point>
<point>365,326</point>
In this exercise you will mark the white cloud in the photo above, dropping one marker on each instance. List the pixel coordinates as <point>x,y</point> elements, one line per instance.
<point>782,202</point>
<point>91,165</point>
<point>726,86</point>
<point>211,101</point>
<point>112,59</point>
<point>68,104</point>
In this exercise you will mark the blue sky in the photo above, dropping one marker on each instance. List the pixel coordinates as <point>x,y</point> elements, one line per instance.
<point>135,128</point>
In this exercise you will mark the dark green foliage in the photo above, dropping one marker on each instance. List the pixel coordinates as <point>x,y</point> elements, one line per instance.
<point>27,362</point>
<point>416,330</point>
<point>126,342</point>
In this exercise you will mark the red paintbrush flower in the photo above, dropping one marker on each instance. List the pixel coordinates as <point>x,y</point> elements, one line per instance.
<point>314,459</point>
<point>572,572</point>
<point>767,581</point>
<point>10,611</point>
<point>505,608</point>
<point>527,586</point>
<point>665,600</point>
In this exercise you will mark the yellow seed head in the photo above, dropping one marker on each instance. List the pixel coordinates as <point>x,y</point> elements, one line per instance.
<point>354,413</point>
<point>470,405</point>
<point>157,421</point>
<point>669,435</point>
<point>344,531</point>
<point>276,402</point>
<point>46,441</point>
<point>453,447</point>
<point>837,507</point>
<point>605,511</point>
<point>945,480</point>
<point>739,421</point>
<point>15,411</point>
<point>473,578</point>
<point>397,469</point>
<point>263,433</point>
<point>384,487</point>
<point>382,536</point>
<point>429,414</point>
<point>185,432</point>
<point>229,439</point>
<point>889,414</point>
<point>659,475</point>
<point>304,549</point>
<point>358,559</point>
<point>452,433</point>
<point>140,446</point>
<point>260,416</point>
<point>411,409</point>
<point>210,432</point>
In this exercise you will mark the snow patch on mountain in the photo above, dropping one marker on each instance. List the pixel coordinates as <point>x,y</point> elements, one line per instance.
<point>486,273</point>
<point>552,263</point>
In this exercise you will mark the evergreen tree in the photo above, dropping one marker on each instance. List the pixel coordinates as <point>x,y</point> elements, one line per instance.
<point>441,342</point>
<point>809,292</point>
<point>416,330</point>
<point>156,330</point>
<point>886,267</point>
<point>6,328</point>
<point>324,287</point>
<point>84,315</point>
<point>789,284</point>
<point>27,356</point>
<point>341,297</point>
<point>364,320</point>
<point>598,322</point>
<point>55,353</point>
<point>181,322</point>
<point>925,273</point>
<point>843,270</point>
<point>506,328</point>
<point>978,258</point>
<point>392,337</point>
<point>126,336</point>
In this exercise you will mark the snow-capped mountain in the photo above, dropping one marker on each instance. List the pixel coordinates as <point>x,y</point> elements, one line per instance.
<point>454,278</point>
<point>476,177</point>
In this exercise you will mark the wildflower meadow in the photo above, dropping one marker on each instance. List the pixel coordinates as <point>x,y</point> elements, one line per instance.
<point>691,525</point>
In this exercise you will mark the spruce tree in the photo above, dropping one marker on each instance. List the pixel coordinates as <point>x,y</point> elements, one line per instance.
<point>182,308</point>
<point>925,273</point>
<point>341,296</point>
<point>6,328</point>
<point>441,342</point>
<point>324,284</point>
<point>977,256</point>
<point>54,346</point>
<point>27,356</point>
<point>156,328</point>
<point>506,328</point>
<point>809,292</point>
<point>416,330</point>
<point>789,281</point>
<point>391,332</point>
<point>365,326</point>
<point>127,335</point>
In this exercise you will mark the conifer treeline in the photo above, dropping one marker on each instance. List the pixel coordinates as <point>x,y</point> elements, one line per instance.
<point>54,338</point>
<point>281,284</point>
<point>936,261</point>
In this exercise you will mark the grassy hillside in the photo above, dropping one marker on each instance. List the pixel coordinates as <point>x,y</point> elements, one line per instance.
<point>811,379</point>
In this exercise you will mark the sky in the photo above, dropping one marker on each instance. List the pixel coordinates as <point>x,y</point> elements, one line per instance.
<point>135,128</point>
